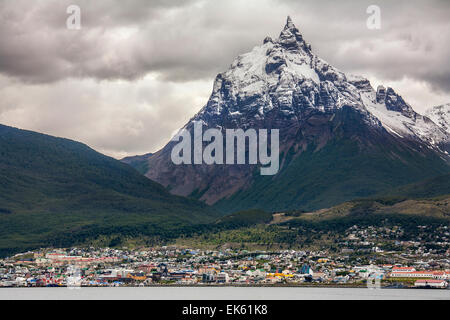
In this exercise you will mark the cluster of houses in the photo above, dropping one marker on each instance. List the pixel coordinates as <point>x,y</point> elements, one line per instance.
<point>77,267</point>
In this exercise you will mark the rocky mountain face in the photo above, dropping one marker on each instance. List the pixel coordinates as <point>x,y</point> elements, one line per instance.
<point>339,138</point>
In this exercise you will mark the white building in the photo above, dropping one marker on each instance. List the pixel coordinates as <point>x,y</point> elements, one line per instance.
<point>223,277</point>
<point>432,283</point>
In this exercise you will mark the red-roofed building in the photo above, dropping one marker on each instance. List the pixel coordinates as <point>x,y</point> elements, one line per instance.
<point>442,275</point>
<point>403,269</point>
<point>430,274</point>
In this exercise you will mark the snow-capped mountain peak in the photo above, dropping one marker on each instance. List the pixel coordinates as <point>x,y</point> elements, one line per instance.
<point>339,138</point>
<point>271,75</point>
<point>285,77</point>
<point>291,38</point>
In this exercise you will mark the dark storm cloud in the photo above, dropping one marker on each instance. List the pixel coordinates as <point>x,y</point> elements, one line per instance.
<point>412,42</point>
<point>36,46</point>
<point>185,40</point>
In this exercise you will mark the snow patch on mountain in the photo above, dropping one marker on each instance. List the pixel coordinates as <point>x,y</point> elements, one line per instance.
<point>401,124</point>
<point>441,116</point>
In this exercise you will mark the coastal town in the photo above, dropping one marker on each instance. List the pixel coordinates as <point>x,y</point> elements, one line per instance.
<point>84,267</point>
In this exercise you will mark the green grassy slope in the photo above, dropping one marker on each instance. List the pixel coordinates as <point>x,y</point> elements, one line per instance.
<point>427,188</point>
<point>140,163</point>
<point>244,218</point>
<point>321,228</point>
<point>337,173</point>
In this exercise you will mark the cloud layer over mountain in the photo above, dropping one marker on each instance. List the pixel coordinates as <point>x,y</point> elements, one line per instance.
<point>137,71</point>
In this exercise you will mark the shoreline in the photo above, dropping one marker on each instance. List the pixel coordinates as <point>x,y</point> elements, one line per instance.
<point>238,286</point>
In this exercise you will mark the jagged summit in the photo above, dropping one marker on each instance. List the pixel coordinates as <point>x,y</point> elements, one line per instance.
<point>289,23</point>
<point>290,27</point>
<point>291,38</point>
<point>267,78</point>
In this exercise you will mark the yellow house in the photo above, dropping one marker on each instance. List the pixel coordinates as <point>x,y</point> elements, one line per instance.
<point>137,277</point>
<point>281,275</point>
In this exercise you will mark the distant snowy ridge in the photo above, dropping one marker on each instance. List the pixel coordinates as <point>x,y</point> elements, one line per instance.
<point>441,116</point>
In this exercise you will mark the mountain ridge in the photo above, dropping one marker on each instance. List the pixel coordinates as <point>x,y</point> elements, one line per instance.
<point>283,85</point>
<point>139,162</point>
<point>55,190</point>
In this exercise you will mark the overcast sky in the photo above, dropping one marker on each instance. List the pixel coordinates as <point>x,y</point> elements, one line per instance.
<point>138,70</point>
